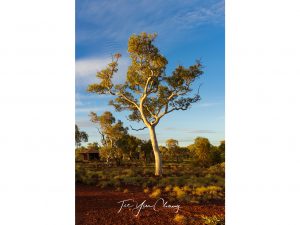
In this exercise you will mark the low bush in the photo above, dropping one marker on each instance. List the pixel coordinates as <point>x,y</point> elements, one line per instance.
<point>179,193</point>
<point>129,172</point>
<point>213,220</point>
<point>209,193</point>
<point>180,219</point>
<point>218,169</point>
<point>156,193</point>
<point>168,188</point>
<point>191,184</point>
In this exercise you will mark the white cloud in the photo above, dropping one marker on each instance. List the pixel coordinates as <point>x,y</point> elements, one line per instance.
<point>89,66</point>
<point>84,123</point>
<point>86,69</point>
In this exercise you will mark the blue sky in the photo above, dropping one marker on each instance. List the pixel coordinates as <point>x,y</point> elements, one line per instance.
<point>187,30</point>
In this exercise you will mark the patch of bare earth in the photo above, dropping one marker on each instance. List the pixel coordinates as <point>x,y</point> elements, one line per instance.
<point>95,206</point>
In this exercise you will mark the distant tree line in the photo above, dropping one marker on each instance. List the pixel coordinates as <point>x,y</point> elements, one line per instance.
<point>117,145</point>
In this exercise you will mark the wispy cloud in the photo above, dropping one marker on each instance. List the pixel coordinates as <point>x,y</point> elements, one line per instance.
<point>207,104</point>
<point>91,109</point>
<point>200,15</point>
<point>106,18</point>
<point>190,131</point>
<point>200,131</point>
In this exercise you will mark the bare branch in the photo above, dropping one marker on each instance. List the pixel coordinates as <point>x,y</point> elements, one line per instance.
<point>137,129</point>
<point>112,93</point>
<point>103,141</point>
<point>199,88</point>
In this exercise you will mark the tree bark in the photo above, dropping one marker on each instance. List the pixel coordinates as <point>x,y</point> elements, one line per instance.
<point>157,155</point>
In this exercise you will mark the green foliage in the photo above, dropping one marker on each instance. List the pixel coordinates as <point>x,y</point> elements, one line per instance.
<point>213,220</point>
<point>173,150</point>
<point>129,146</point>
<point>85,176</point>
<point>179,193</point>
<point>135,181</point>
<point>222,151</point>
<point>78,156</point>
<point>147,82</point>
<point>209,193</point>
<point>112,133</point>
<point>128,172</point>
<point>180,219</point>
<point>110,129</point>
<point>80,136</point>
<point>201,149</point>
<point>155,193</point>
<point>146,151</point>
<point>218,153</point>
<point>218,169</point>
<point>93,146</point>
<point>181,181</point>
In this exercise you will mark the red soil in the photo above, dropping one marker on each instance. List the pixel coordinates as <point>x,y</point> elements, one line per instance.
<point>100,207</point>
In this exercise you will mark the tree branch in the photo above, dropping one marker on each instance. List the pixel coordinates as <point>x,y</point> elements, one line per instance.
<point>146,87</point>
<point>128,100</point>
<point>103,141</point>
<point>154,116</point>
<point>137,129</point>
<point>142,99</point>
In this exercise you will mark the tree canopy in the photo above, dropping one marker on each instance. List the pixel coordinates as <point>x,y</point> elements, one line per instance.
<point>148,93</point>
<point>202,150</point>
<point>110,129</point>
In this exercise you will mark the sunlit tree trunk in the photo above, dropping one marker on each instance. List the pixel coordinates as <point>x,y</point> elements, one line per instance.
<point>157,155</point>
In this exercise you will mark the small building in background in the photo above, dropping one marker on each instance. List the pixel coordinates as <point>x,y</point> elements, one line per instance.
<point>89,154</point>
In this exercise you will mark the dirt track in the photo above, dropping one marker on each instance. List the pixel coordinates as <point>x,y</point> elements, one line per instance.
<point>100,207</point>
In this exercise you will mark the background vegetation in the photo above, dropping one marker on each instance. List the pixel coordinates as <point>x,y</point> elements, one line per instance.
<point>195,173</point>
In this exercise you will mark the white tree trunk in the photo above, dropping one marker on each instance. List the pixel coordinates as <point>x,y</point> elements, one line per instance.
<point>157,155</point>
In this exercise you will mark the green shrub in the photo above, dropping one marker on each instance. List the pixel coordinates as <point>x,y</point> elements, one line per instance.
<point>213,220</point>
<point>168,188</point>
<point>180,219</point>
<point>150,182</point>
<point>218,169</point>
<point>179,193</point>
<point>132,180</point>
<point>155,193</point>
<point>209,193</point>
<point>129,172</point>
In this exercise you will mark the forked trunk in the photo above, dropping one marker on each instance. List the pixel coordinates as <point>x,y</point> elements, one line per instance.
<point>157,155</point>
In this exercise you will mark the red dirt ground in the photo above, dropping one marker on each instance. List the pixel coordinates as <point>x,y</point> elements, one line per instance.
<point>99,207</point>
